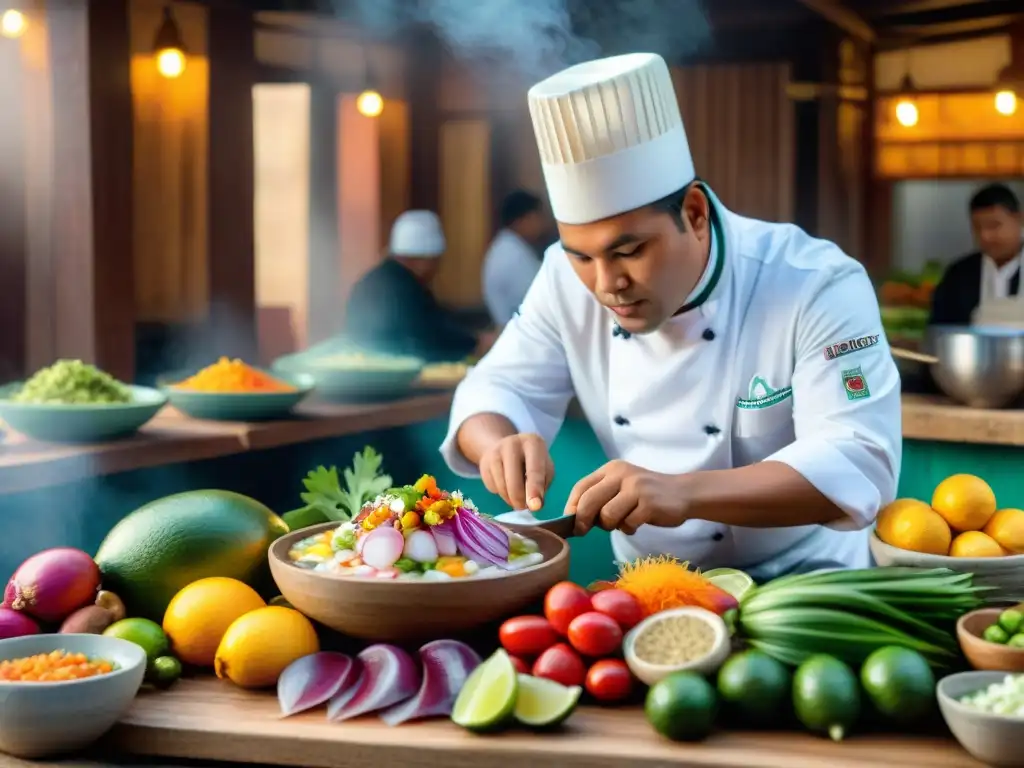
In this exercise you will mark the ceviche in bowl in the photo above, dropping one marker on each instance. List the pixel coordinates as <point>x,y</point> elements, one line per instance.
<point>417,532</point>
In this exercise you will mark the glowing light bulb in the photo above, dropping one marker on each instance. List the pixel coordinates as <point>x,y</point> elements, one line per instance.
<point>370,104</point>
<point>1006,103</point>
<point>12,24</point>
<point>170,62</point>
<point>906,113</point>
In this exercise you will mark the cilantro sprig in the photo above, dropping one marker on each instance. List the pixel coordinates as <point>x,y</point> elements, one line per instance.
<point>364,481</point>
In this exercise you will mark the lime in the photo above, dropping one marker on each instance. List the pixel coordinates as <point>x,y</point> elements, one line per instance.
<point>899,683</point>
<point>996,634</point>
<point>487,700</point>
<point>164,671</point>
<point>1017,641</point>
<point>826,696</point>
<point>1011,620</point>
<point>142,632</point>
<point>755,686</point>
<point>736,583</point>
<point>682,707</point>
<point>544,703</point>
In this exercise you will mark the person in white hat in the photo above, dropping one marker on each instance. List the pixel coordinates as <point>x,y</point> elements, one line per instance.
<point>734,371</point>
<point>391,308</point>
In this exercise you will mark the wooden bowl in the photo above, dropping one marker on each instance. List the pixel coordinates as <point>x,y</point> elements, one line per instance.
<point>982,654</point>
<point>406,611</point>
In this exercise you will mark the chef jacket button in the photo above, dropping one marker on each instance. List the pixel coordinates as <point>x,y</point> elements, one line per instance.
<point>621,421</point>
<point>711,429</point>
<point>708,335</point>
<point>718,536</point>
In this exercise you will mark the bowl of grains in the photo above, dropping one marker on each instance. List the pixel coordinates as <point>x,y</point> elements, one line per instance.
<point>62,692</point>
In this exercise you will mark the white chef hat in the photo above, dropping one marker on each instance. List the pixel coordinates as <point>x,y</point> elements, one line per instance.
<point>610,135</point>
<point>417,234</point>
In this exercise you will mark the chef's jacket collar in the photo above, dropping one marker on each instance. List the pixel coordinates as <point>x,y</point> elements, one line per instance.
<point>708,285</point>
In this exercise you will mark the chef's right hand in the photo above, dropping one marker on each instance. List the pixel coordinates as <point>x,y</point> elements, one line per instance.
<point>519,469</point>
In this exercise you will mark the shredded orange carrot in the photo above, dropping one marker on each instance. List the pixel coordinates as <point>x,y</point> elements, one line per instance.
<point>660,583</point>
<point>53,667</point>
<point>233,376</point>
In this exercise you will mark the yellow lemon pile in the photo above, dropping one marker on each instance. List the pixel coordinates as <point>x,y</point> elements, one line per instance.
<point>961,521</point>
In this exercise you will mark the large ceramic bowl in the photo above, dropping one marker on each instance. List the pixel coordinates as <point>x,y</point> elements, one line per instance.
<point>81,423</point>
<point>1004,574</point>
<point>400,611</point>
<point>43,719</point>
<point>993,739</point>
<point>238,406</point>
<point>353,376</point>
<point>982,654</point>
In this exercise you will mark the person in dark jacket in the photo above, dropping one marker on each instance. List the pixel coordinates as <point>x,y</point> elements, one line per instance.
<point>391,308</point>
<point>993,271</point>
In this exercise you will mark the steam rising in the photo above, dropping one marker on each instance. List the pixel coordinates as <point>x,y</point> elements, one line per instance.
<point>538,37</point>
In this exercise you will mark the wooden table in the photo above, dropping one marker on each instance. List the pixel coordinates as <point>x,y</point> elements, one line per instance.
<point>210,720</point>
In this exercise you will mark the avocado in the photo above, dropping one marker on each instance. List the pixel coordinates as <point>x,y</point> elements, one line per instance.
<point>171,542</point>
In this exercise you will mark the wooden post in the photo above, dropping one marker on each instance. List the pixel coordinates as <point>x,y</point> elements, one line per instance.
<point>13,278</point>
<point>78,150</point>
<point>423,86</point>
<point>325,313</point>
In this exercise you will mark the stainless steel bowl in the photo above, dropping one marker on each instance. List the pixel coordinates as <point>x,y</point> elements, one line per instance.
<point>982,367</point>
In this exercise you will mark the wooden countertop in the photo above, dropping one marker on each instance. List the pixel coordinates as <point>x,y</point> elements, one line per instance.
<point>172,438</point>
<point>927,417</point>
<point>208,719</point>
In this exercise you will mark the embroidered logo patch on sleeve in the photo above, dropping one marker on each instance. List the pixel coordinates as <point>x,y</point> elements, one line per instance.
<point>833,351</point>
<point>855,384</point>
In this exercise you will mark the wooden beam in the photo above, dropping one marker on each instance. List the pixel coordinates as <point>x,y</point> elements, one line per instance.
<point>423,86</point>
<point>13,257</point>
<point>896,8</point>
<point>850,22</point>
<point>955,29</point>
<point>231,257</point>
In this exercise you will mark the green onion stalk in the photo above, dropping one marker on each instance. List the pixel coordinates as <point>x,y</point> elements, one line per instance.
<point>849,614</point>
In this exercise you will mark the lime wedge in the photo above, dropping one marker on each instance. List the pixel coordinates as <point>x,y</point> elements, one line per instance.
<point>488,697</point>
<point>544,703</point>
<point>736,583</point>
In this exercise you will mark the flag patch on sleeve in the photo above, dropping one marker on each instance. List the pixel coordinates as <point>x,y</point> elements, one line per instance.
<point>855,384</point>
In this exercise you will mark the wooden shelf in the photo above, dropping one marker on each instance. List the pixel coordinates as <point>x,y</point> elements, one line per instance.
<point>927,417</point>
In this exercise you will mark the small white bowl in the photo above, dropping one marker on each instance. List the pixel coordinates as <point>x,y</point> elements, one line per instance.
<point>993,739</point>
<point>44,719</point>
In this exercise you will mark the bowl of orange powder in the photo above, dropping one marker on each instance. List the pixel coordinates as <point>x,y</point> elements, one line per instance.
<point>231,390</point>
<point>61,693</point>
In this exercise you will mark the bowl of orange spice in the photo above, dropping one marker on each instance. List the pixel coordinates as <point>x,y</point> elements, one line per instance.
<point>231,390</point>
<point>62,692</point>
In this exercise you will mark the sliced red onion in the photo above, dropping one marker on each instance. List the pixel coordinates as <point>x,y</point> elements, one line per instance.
<point>487,531</point>
<point>389,676</point>
<point>444,537</point>
<point>446,665</point>
<point>310,681</point>
<point>473,548</point>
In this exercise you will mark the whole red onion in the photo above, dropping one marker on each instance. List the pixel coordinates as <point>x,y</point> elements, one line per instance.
<point>15,624</point>
<point>53,584</point>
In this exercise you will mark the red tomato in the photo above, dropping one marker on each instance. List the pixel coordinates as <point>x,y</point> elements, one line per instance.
<point>594,634</point>
<point>620,605</point>
<point>561,664</point>
<point>609,680</point>
<point>527,635</point>
<point>521,666</point>
<point>563,603</point>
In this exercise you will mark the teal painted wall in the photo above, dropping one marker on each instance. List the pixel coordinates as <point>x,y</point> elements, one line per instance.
<point>926,464</point>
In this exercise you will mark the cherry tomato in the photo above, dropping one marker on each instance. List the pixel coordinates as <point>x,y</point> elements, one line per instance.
<point>620,605</point>
<point>527,635</point>
<point>563,603</point>
<point>561,664</point>
<point>609,680</point>
<point>521,666</point>
<point>595,635</point>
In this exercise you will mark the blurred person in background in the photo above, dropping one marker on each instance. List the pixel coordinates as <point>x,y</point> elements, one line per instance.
<point>991,272</point>
<point>512,261</point>
<point>392,309</point>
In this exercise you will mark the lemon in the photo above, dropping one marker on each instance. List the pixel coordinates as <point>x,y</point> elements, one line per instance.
<point>975,544</point>
<point>966,502</point>
<point>914,526</point>
<point>199,615</point>
<point>1007,527</point>
<point>261,643</point>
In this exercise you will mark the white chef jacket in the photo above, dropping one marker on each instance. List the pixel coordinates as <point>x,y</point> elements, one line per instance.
<point>995,280</point>
<point>785,361</point>
<point>510,266</point>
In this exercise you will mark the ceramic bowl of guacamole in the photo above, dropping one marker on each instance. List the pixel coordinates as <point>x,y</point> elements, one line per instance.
<point>73,402</point>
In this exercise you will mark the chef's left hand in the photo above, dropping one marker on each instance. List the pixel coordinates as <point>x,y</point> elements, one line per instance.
<point>623,496</point>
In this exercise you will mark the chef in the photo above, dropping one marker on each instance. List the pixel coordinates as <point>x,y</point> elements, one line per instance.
<point>513,258</point>
<point>993,271</point>
<point>734,371</point>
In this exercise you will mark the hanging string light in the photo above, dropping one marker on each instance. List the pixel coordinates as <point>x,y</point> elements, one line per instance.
<point>13,23</point>
<point>369,103</point>
<point>168,47</point>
